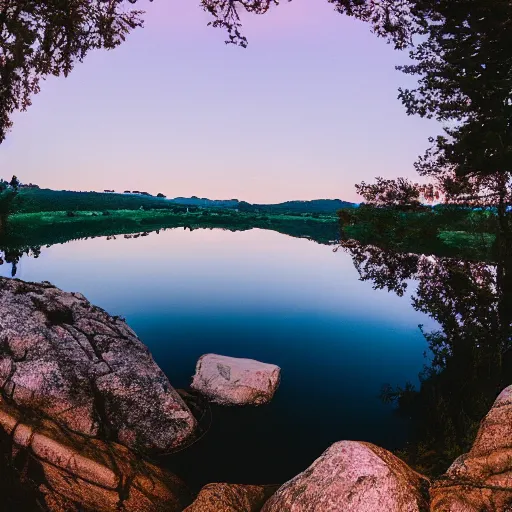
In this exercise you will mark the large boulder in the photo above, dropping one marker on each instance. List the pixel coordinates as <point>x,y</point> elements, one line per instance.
<point>353,476</point>
<point>71,361</point>
<point>233,381</point>
<point>231,498</point>
<point>71,473</point>
<point>481,480</point>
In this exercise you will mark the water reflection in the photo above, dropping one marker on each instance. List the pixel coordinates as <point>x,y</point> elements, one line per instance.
<point>261,295</point>
<point>15,244</point>
<point>279,302</point>
<point>469,359</point>
<point>12,256</point>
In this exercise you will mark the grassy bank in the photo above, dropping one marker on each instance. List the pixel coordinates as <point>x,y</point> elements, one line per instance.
<point>442,231</point>
<point>45,217</point>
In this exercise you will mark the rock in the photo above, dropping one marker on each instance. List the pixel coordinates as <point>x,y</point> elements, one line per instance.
<point>71,361</point>
<point>231,498</point>
<point>71,473</point>
<point>481,480</point>
<point>234,381</point>
<point>353,476</point>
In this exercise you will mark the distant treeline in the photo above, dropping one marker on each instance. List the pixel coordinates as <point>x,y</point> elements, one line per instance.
<point>45,200</point>
<point>318,206</point>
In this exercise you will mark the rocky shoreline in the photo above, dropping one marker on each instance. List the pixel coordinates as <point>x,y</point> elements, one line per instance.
<point>83,405</point>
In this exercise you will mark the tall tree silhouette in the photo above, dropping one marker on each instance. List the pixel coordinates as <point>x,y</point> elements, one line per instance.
<point>464,71</point>
<point>469,358</point>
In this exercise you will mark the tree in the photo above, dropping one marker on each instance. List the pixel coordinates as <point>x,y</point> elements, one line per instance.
<point>38,39</point>
<point>160,195</point>
<point>470,359</point>
<point>400,193</point>
<point>42,38</point>
<point>388,18</point>
<point>464,75</point>
<point>14,183</point>
<point>8,193</point>
<point>464,65</point>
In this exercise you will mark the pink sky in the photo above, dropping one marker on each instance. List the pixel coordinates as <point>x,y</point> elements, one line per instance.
<point>305,112</point>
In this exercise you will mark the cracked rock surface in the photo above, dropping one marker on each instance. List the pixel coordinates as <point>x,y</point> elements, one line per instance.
<point>352,476</point>
<point>231,498</point>
<point>88,371</point>
<point>65,472</point>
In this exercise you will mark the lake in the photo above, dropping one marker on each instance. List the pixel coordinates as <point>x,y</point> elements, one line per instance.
<point>262,295</point>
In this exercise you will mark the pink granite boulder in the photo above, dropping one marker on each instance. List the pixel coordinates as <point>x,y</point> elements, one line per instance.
<point>231,498</point>
<point>233,381</point>
<point>64,472</point>
<point>68,360</point>
<point>481,479</point>
<point>353,476</point>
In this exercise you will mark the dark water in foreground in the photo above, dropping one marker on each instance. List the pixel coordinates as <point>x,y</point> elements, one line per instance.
<point>262,295</point>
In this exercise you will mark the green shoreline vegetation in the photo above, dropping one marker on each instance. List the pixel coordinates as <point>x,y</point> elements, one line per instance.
<point>42,217</point>
<point>451,231</point>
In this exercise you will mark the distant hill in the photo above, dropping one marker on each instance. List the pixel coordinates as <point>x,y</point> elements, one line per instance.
<point>205,202</point>
<point>32,200</point>
<point>313,206</point>
<point>46,200</point>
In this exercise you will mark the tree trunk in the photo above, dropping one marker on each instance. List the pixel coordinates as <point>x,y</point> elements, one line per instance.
<point>504,269</point>
<point>3,223</point>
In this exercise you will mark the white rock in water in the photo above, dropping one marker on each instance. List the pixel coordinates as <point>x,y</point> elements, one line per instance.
<point>233,381</point>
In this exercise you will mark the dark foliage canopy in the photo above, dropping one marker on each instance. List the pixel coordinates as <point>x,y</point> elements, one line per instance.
<point>399,193</point>
<point>8,193</point>
<point>462,59</point>
<point>464,69</point>
<point>388,18</point>
<point>39,38</point>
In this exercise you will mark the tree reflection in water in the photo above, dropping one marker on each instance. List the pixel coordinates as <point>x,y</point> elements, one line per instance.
<point>13,256</point>
<point>469,361</point>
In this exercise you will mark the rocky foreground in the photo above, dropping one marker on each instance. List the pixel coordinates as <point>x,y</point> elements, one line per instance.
<point>353,476</point>
<point>82,403</point>
<point>86,370</point>
<point>66,472</point>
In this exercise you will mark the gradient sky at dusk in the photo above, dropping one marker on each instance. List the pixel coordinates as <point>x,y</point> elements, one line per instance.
<point>306,111</point>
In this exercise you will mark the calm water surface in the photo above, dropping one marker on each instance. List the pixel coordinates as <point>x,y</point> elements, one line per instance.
<point>262,295</point>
